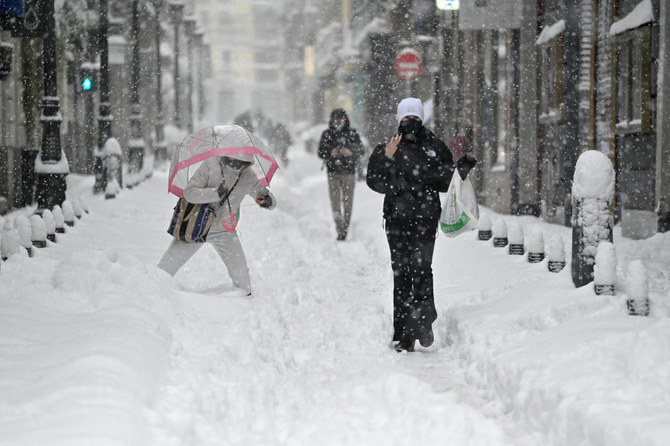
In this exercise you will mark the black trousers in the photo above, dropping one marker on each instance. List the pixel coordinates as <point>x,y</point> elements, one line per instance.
<point>412,244</point>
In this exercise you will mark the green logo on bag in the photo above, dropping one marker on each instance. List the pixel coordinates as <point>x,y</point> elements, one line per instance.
<point>464,220</point>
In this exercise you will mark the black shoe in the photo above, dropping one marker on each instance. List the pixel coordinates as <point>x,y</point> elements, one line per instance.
<point>407,346</point>
<point>341,237</point>
<point>426,339</point>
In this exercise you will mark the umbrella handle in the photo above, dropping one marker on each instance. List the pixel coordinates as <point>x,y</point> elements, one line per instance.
<point>232,221</point>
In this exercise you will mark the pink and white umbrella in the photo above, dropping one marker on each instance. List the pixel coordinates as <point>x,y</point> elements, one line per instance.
<point>219,140</point>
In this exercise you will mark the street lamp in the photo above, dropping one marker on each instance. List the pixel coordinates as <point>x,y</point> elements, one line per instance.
<point>176,9</point>
<point>199,70</point>
<point>136,142</point>
<point>51,166</point>
<point>160,146</point>
<point>189,29</point>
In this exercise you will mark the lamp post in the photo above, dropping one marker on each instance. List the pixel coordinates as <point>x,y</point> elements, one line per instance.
<point>177,14</point>
<point>160,146</point>
<point>189,29</point>
<point>51,166</point>
<point>136,142</point>
<point>200,68</point>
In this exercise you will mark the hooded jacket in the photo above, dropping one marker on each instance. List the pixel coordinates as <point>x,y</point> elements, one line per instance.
<point>346,138</point>
<point>412,180</point>
<point>202,188</point>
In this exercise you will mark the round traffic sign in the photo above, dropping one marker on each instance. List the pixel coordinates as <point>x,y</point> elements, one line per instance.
<point>408,64</point>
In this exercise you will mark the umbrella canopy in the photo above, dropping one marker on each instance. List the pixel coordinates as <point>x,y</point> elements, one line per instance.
<point>219,140</point>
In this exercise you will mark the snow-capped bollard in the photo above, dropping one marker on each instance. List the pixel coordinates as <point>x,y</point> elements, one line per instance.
<point>592,193</point>
<point>516,240</point>
<point>38,230</point>
<point>84,206</point>
<point>22,224</point>
<point>113,188</point>
<point>68,213</point>
<point>604,270</point>
<point>500,234</point>
<point>59,220</point>
<point>638,289</point>
<point>535,246</point>
<point>11,243</point>
<point>484,227</point>
<point>76,208</point>
<point>556,254</point>
<point>50,222</point>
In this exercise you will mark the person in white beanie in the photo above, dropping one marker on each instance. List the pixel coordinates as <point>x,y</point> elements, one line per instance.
<point>411,169</point>
<point>224,182</point>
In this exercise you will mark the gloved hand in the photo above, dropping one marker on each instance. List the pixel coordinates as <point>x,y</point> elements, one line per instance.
<point>264,201</point>
<point>222,190</point>
<point>465,164</point>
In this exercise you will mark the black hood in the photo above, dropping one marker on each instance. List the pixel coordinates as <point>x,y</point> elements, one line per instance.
<point>338,113</point>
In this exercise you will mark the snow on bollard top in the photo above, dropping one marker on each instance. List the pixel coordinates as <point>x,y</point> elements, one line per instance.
<point>68,213</point>
<point>58,217</point>
<point>38,228</point>
<point>500,228</point>
<point>605,266</point>
<point>49,221</point>
<point>76,208</point>
<point>637,284</point>
<point>594,176</point>
<point>22,224</point>
<point>515,234</point>
<point>556,249</point>
<point>535,240</point>
<point>484,222</point>
<point>11,243</point>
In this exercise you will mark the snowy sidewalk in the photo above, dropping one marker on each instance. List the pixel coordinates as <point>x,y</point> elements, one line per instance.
<point>98,346</point>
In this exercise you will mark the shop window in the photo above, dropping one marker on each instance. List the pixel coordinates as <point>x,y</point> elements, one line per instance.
<point>550,61</point>
<point>632,79</point>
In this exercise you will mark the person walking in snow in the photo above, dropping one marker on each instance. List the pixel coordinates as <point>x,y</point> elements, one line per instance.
<point>223,182</point>
<point>411,169</point>
<point>281,139</point>
<point>340,147</point>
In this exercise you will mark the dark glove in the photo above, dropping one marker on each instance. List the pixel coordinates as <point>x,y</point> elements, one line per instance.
<point>465,164</point>
<point>222,190</point>
<point>265,201</point>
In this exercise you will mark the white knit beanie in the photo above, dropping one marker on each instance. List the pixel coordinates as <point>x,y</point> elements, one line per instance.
<point>410,107</point>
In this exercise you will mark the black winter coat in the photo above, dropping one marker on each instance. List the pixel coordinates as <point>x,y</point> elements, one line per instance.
<point>413,179</point>
<point>347,138</point>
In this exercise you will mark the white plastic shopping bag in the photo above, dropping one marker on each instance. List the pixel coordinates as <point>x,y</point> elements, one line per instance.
<point>460,212</point>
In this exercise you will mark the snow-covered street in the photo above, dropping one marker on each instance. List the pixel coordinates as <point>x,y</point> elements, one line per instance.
<point>99,346</point>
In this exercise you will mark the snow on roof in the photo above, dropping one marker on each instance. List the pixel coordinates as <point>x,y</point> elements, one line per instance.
<point>643,13</point>
<point>550,32</point>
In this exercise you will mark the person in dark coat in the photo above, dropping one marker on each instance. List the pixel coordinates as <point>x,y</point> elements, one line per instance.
<point>340,147</point>
<point>411,169</point>
<point>281,140</point>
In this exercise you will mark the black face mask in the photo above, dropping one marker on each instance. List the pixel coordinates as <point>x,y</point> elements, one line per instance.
<point>410,127</point>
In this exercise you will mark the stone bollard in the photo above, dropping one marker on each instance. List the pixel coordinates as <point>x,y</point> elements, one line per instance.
<point>500,234</point>
<point>638,289</point>
<point>535,246</point>
<point>484,227</point>
<point>50,222</point>
<point>68,213</point>
<point>11,243</point>
<point>38,230</point>
<point>592,221</point>
<point>556,254</point>
<point>604,270</point>
<point>59,220</point>
<point>22,224</point>
<point>516,240</point>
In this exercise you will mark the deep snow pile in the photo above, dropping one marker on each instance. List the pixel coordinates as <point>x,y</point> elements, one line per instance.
<point>98,346</point>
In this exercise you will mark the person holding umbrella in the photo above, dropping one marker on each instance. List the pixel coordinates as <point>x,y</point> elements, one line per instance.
<point>223,181</point>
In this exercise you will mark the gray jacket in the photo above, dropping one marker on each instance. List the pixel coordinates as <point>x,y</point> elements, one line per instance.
<point>202,188</point>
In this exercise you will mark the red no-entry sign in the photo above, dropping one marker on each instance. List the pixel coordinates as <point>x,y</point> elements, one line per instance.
<point>408,64</point>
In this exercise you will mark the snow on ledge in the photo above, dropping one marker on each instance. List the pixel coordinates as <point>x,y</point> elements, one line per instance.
<point>643,13</point>
<point>550,32</point>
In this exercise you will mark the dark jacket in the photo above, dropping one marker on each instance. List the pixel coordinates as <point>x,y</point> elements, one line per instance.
<point>413,179</point>
<point>347,138</point>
